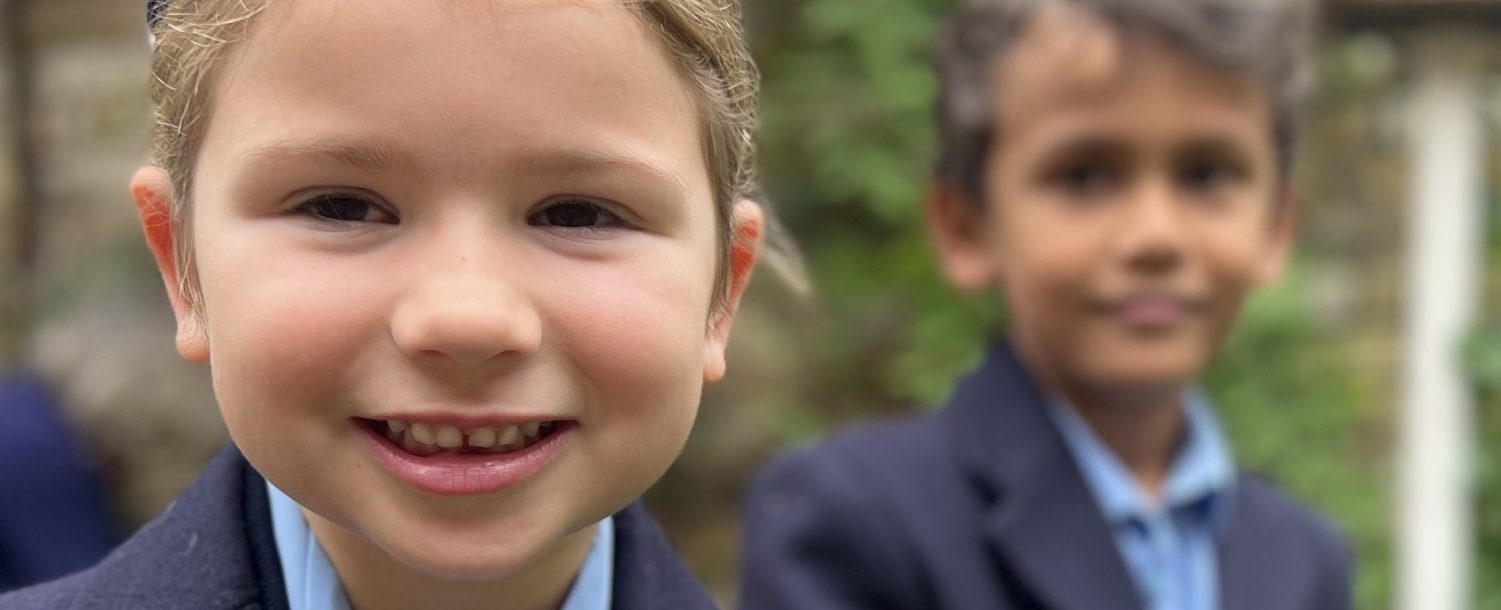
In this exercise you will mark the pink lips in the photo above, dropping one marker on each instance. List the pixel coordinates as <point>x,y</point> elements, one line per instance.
<point>1153,312</point>
<point>454,474</point>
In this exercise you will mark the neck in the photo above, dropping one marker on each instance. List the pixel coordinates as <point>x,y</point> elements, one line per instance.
<point>373,580</point>
<point>1144,434</point>
<point>1142,425</point>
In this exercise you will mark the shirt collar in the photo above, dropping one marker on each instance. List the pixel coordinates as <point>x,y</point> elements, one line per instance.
<point>1201,477</point>
<point>595,583</point>
<point>312,583</point>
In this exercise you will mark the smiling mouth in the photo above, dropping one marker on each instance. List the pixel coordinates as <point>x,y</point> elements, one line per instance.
<point>1153,312</point>
<point>425,440</point>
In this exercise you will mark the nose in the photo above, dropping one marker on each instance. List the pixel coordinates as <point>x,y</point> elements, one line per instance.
<point>468,314</point>
<point>1152,238</point>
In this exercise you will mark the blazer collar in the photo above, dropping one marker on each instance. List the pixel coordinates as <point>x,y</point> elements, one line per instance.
<point>1255,570</point>
<point>648,573</point>
<point>1040,518</point>
<point>214,548</point>
<point>199,553</point>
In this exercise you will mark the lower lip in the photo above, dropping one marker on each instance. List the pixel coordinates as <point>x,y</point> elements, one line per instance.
<point>459,474</point>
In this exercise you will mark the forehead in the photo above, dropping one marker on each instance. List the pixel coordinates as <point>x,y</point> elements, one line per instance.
<point>1071,62</point>
<point>462,83</point>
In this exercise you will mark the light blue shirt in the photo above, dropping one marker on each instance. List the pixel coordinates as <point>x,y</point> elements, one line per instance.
<point>1169,545</point>
<point>312,583</point>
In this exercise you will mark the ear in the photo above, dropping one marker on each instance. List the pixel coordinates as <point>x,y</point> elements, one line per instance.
<point>745,244</point>
<point>956,228</point>
<point>151,190</point>
<point>1284,226</point>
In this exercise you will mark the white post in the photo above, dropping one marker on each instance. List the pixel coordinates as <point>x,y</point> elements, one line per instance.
<point>1444,257</point>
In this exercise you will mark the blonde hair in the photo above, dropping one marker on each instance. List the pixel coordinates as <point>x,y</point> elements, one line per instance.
<point>704,37</point>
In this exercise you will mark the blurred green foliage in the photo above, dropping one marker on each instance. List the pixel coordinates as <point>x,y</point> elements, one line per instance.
<point>847,135</point>
<point>1484,358</point>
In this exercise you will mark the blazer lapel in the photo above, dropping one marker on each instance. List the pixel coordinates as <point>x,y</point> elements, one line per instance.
<point>648,573</point>
<point>1041,520</point>
<point>1256,572</point>
<point>260,542</point>
<point>193,556</point>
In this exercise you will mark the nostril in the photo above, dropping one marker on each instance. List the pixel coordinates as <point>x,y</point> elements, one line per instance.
<point>466,332</point>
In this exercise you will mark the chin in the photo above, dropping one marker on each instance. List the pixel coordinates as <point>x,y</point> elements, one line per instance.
<point>464,562</point>
<point>1148,368</point>
<point>1148,377</point>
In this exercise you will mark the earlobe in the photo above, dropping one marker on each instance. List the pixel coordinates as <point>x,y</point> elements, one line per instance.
<point>151,190</point>
<point>956,231</point>
<point>746,238</point>
<point>192,341</point>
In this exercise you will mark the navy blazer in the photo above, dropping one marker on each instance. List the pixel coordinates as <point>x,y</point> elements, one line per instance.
<point>213,549</point>
<point>980,506</point>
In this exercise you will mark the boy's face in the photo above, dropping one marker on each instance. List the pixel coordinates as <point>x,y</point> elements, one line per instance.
<point>492,220</point>
<point>1132,199</point>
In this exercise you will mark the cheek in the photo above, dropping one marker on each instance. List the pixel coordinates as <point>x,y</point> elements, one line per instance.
<point>1046,263</point>
<point>638,339</point>
<point>1236,252</point>
<point>1233,268</point>
<point>280,334</point>
<point>639,336</point>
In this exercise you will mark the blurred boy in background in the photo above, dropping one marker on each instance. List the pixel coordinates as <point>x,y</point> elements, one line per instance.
<point>1117,171</point>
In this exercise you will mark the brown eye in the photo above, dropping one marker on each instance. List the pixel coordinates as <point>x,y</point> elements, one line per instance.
<point>1206,176</point>
<point>576,214</point>
<point>1086,179</point>
<point>345,208</point>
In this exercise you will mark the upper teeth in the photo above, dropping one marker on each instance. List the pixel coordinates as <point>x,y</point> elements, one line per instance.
<point>427,439</point>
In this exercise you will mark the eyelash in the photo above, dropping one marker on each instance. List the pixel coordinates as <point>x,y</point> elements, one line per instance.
<point>606,218</point>
<point>310,208</point>
<point>318,207</point>
<point>1217,173</point>
<point>1086,177</point>
<point>1197,176</point>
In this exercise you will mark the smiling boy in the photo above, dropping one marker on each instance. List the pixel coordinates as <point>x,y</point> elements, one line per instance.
<point>1117,171</point>
<point>460,270</point>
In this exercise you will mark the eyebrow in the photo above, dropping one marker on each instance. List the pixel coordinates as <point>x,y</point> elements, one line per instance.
<point>373,155</point>
<point>359,154</point>
<point>1117,145</point>
<point>582,162</point>
<point>1093,145</point>
<point>1216,145</point>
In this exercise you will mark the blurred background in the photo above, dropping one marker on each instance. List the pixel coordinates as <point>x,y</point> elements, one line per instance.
<point>1368,383</point>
